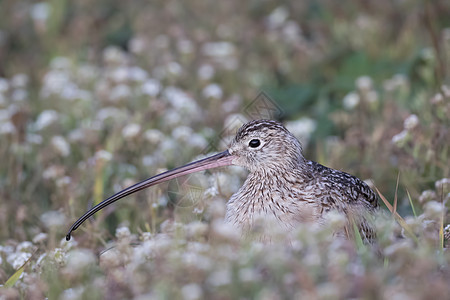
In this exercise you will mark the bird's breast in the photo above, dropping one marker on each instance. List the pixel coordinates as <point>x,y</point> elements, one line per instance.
<point>274,206</point>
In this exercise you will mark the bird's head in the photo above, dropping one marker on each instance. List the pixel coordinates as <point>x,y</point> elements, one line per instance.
<point>265,145</point>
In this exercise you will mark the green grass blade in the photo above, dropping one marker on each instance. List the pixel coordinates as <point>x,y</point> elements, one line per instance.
<point>14,277</point>
<point>358,239</point>
<point>399,218</point>
<point>411,203</point>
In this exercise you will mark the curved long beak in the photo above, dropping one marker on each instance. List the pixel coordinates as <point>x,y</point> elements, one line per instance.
<point>218,160</point>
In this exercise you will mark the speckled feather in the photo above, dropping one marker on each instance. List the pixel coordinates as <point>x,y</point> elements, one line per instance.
<point>285,186</point>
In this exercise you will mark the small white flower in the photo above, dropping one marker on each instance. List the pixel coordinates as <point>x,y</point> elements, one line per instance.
<point>138,74</point>
<point>17,259</point>
<point>446,90</point>
<point>371,97</point>
<point>427,54</point>
<point>7,250</point>
<point>79,259</point>
<point>433,210</point>
<point>137,45</point>
<point>46,118</point>
<point>179,99</point>
<point>149,160</point>
<point>123,232</point>
<point>174,68</point>
<point>77,135</point>
<point>40,237</point>
<point>427,195</point>
<point>335,219</point>
<point>248,275</point>
<point>292,32</point>
<point>442,185</point>
<point>411,122</point>
<point>70,92</point>
<point>7,128</point>
<point>302,128</point>
<point>351,100</point>
<point>120,75</point>
<point>4,85</point>
<point>103,155</point>
<point>53,218</point>
<point>146,236</point>
<point>277,17</point>
<point>52,172</point>
<point>73,293</point>
<point>110,112</point>
<point>120,92</point>
<point>61,145</point>
<point>205,72</point>
<point>172,118</point>
<point>182,133</point>
<point>185,46</point>
<point>437,99</point>
<point>230,63</point>
<point>218,49</point>
<point>212,91</point>
<point>233,122</point>
<point>41,11</point>
<point>113,55</point>
<point>191,291</point>
<point>220,277</point>
<point>131,131</point>
<point>197,141</point>
<point>54,82</point>
<point>5,115</point>
<point>19,81</point>
<point>225,230</point>
<point>198,210</point>
<point>25,246</point>
<point>401,138</point>
<point>87,73</point>
<point>34,139</point>
<point>211,192</point>
<point>396,82</point>
<point>151,87</point>
<point>364,83</point>
<point>60,256</point>
<point>61,63</point>
<point>163,200</point>
<point>63,181</point>
<point>154,136</point>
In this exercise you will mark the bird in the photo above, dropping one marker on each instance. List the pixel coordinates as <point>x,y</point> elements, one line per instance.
<point>282,185</point>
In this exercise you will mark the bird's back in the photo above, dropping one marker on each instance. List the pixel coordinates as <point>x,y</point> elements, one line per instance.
<point>342,188</point>
<point>347,194</point>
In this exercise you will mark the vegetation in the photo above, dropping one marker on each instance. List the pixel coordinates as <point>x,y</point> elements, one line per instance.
<point>97,95</point>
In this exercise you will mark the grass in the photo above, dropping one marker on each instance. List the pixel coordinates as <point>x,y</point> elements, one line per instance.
<point>96,97</point>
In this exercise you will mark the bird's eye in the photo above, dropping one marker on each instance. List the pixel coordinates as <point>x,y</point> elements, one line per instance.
<point>254,143</point>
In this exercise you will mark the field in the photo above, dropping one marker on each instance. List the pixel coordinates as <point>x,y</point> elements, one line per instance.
<point>98,95</point>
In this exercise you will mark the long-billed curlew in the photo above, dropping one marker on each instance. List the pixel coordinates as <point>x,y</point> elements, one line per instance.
<point>281,185</point>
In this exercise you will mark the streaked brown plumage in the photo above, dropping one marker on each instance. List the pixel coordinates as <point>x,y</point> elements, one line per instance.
<point>286,186</point>
<point>282,185</point>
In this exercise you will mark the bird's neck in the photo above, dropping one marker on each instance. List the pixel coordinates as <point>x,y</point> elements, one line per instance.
<point>298,170</point>
<point>276,177</point>
<point>268,192</point>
